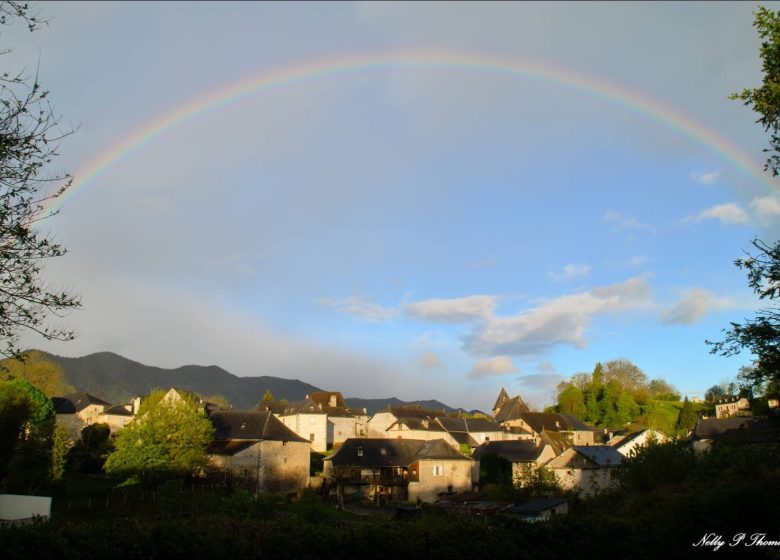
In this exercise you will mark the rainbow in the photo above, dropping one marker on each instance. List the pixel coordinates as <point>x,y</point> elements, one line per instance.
<point>232,93</point>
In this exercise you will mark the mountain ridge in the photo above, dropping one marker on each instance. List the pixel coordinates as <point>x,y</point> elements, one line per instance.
<point>117,379</point>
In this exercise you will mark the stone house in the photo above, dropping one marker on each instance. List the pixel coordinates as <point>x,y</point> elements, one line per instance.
<point>118,416</point>
<point>740,430</point>
<point>576,431</point>
<point>526,456</point>
<point>732,407</point>
<point>586,468</point>
<point>507,409</point>
<point>389,470</point>
<point>399,418</point>
<point>75,411</point>
<point>627,443</point>
<point>322,418</point>
<point>257,445</point>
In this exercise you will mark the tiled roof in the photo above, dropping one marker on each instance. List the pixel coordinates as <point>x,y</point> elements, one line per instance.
<point>536,506</point>
<point>602,455</point>
<point>553,422</point>
<point>253,425</point>
<point>514,451</point>
<point>503,396</point>
<point>512,409</point>
<point>78,402</point>
<point>323,398</point>
<point>118,410</point>
<point>392,452</point>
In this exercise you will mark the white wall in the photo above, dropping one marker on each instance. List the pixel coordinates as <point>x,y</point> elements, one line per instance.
<point>14,506</point>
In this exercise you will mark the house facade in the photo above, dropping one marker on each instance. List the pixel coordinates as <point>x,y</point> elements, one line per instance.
<point>587,469</point>
<point>75,411</point>
<point>387,470</point>
<point>258,446</point>
<point>628,444</point>
<point>732,407</point>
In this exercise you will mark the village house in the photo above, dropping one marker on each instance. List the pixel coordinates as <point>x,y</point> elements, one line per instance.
<point>389,470</point>
<point>576,431</point>
<point>117,417</point>
<point>322,418</point>
<point>505,410</point>
<point>526,456</point>
<point>75,411</point>
<point>732,407</point>
<point>586,468</point>
<point>629,442</point>
<point>258,446</point>
<point>739,429</point>
<point>414,422</point>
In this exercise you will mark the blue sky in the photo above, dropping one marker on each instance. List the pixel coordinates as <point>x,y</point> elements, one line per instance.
<point>413,232</point>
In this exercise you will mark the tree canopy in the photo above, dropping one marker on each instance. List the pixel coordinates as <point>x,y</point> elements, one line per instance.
<point>169,437</point>
<point>37,370</point>
<point>29,135</point>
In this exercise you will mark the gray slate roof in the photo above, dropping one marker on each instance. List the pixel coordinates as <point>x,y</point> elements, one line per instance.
<point>514,451</point>
<point>554,422</point>
<point>251,425</point>
<point>511,409</point>
<point>118,410</point>
<point>602,455</point>
<point>536,506</point>
<point>375,452</point>
<point>76,402</point>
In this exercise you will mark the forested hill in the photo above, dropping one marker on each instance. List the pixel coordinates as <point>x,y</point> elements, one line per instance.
<point>373,406</point>
<point>117,379</point>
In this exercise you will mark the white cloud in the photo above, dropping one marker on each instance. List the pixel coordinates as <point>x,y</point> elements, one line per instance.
<point>562,320</point>
<point>570,271</point>
<point>360,307</point>
<point>704,177</point>
<point>766,207</point>
<point>624,222</point>
<point>637,261</point>
<point>454,310</point>
<point>728,214</point>
<point>693,305</point>
<point>429,360</point>
<point>498,365</point>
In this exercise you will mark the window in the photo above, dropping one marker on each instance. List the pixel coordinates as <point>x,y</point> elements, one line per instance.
<point>285,460</point>
<point>311,437</point>
<point>437,470</point>
<point>382,451</point>
<point>359,451</point>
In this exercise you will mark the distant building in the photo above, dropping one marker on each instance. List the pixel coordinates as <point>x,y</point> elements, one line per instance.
<point>75,411</point>
<point>387,470</point>
<point>322,418</point>
<point>588,469</point>
<point>526,456</point>
<point>257,445</point>
<point>732,407</point>
<point>117,417</point>
<point>740,430</point>
<point>628,443</point>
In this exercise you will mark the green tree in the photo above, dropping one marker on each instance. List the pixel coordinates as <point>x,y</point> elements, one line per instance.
<point>687,418</point>
<point>760,335</point>
<point>89,454</point>
<point>765,100</point>
<point>268,396</point>
<point>571,401</point>
<point>168,438</point>
<point>36,369</point>
<point>27,422</point>
<point>29,135</point>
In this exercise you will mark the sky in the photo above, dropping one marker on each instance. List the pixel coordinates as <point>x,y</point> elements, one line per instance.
<point>420,200</point>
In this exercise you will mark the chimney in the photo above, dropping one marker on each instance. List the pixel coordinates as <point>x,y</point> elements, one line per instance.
<point>333,400</point>
<point>136,405</point>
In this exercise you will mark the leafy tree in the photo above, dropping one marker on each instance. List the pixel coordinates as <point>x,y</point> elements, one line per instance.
<point>169,437</point>
<point>571,401</point>
<point>268,396</point>
<point>765,100</point>
<point>760,335</point>
<point>219,400</point>
<point>714,393</point>
<point>27,421</point>
<point>29,135</point>
<point>89,454</point>
<point>664,391</point>
<point>687,418</point>
<point>37,370</point>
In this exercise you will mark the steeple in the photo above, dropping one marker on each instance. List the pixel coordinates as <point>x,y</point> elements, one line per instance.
<point>503,396</point>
